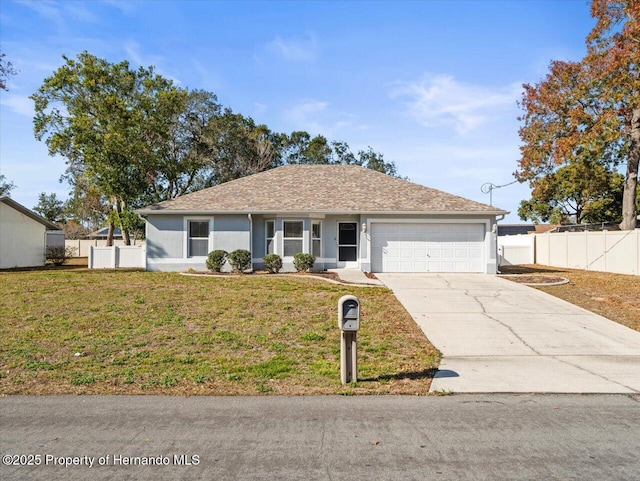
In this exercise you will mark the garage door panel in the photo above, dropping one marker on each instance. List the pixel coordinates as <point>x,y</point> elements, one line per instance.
<point>427,247</point>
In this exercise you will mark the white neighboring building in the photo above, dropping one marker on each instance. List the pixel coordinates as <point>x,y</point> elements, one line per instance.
<point>22,235</point>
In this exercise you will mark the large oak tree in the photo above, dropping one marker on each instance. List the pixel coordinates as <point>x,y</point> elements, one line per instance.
<point>589,109</point>
<point>108,121</point>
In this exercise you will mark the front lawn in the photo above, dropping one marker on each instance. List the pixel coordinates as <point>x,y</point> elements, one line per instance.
<point>81,331</point>
<point>614,296</point>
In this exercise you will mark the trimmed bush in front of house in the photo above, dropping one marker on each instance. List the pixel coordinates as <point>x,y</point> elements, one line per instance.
<point>240,260</point>
<point>272,263</point>
<point>216,260</point>
<point>303,262</point>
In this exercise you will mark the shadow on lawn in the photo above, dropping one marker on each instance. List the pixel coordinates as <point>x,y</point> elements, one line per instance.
<point>530,270</point>
<point>413,375</point>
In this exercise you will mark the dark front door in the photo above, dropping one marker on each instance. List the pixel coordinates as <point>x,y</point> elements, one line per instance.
<point>347,242</point>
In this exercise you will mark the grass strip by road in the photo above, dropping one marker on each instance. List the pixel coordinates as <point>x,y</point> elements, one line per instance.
<point>614,296</point>
<point>118,332</point>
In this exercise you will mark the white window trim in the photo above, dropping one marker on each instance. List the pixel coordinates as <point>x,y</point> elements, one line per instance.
<point>273,239</point>
<point>311,238</point>
<point>292,238</point>
<point>185,239</point>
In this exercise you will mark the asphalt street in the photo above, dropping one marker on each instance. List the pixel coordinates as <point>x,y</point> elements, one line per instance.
<point>459,437</point>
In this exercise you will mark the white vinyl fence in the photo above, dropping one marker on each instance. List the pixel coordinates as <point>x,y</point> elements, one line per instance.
<point>81,246</point>
<point>606,251</point>
<point>516,249</point>
<point>117,257</point>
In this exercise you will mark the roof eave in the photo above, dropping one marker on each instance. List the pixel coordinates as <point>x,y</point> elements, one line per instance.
<point>145,212</point>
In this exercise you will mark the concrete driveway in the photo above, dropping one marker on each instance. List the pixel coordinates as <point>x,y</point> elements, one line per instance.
<point>499,336</point>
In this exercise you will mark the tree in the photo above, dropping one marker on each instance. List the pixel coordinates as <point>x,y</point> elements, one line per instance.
<point>74,230</point>
<point>237,147</point>
<point>6,187</point>
<point>108,121</point>
<point>87,206</point>
<point>300,148</point>
<point>50,207</point>
<point>6,71</point>
<point>589,109</point>
<point>578,192</point>
<point>186,158</point>
<point>375,161</point>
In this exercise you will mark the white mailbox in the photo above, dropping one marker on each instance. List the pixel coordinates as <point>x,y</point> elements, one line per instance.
<point>349,313</point>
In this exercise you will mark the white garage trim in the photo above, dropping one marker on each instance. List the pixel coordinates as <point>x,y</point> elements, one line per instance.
<point>434,245</point>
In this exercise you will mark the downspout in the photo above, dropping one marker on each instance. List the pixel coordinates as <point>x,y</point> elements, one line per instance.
<point>495,229</point>
<point>251,238</point>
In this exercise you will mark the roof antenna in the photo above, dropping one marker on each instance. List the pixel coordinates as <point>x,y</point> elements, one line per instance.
<point>487,188</point>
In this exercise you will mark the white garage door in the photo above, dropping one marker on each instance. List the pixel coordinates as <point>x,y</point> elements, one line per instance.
<point>427,247</point>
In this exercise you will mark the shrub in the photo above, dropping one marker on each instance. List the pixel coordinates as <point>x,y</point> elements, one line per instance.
<point>58,255</point>
<point>303,262</point>
<point>240,260</point>
<point>216,260</point>
<point>272,263</point>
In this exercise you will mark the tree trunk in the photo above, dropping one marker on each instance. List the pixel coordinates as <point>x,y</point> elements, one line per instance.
<point>125,236</point>
<point>631,180</point>
<point>123,229</point>
<point>112,227</point>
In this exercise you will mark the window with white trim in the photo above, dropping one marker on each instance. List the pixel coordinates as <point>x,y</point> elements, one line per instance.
<point>316,239</point>
<point>270,230</point>
<point>292,239</point>
<point>198,238</point>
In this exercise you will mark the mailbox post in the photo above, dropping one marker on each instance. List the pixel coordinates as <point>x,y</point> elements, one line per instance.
<point>349,323</point>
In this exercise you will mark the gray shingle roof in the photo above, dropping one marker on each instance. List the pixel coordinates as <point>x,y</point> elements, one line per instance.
<point>321,189</point>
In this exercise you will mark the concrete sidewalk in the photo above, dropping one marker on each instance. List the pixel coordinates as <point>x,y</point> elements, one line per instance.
<point>355,276</point>
<point>499,336</point>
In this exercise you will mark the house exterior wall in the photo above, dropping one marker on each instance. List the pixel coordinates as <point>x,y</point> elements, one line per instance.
<point>22,239</point>
<point>167,239</point>
<point>329,238</point>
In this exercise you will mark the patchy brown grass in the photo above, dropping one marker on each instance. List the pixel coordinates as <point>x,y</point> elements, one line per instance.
<point>72,330</point>
<point>614,296</point>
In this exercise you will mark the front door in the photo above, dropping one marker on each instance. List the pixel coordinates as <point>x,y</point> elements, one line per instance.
<point>348,244</point>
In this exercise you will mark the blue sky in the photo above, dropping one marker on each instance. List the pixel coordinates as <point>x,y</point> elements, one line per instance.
<point>433,85</point>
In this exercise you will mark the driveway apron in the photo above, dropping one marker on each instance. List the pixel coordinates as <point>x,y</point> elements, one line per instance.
<point>499,336</point>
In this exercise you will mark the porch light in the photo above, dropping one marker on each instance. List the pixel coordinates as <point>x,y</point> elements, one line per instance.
<point>364,227</point>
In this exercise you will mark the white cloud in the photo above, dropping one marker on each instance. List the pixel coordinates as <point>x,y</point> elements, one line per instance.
<point>124,7</point>
<point>259,109</point>
<point>20,105</point>
<point>294,50</point>
<point>305,116</point>
<point>59,12</point>
<point>442,100</point>
<point>157,61</point>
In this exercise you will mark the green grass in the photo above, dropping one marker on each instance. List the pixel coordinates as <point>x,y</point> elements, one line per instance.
<point>82,331</point>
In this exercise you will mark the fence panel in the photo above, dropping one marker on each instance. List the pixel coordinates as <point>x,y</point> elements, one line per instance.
<point>516,249</point>
<point>116,257</point>
<point>130,257</point>
<point>81,246</point>
<point>606,251</point>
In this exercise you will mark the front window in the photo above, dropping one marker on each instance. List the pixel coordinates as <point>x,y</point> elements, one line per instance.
<point>316,239</point>
<point>292,237</point>
<point>198,238</point>
<point>270,228</point>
